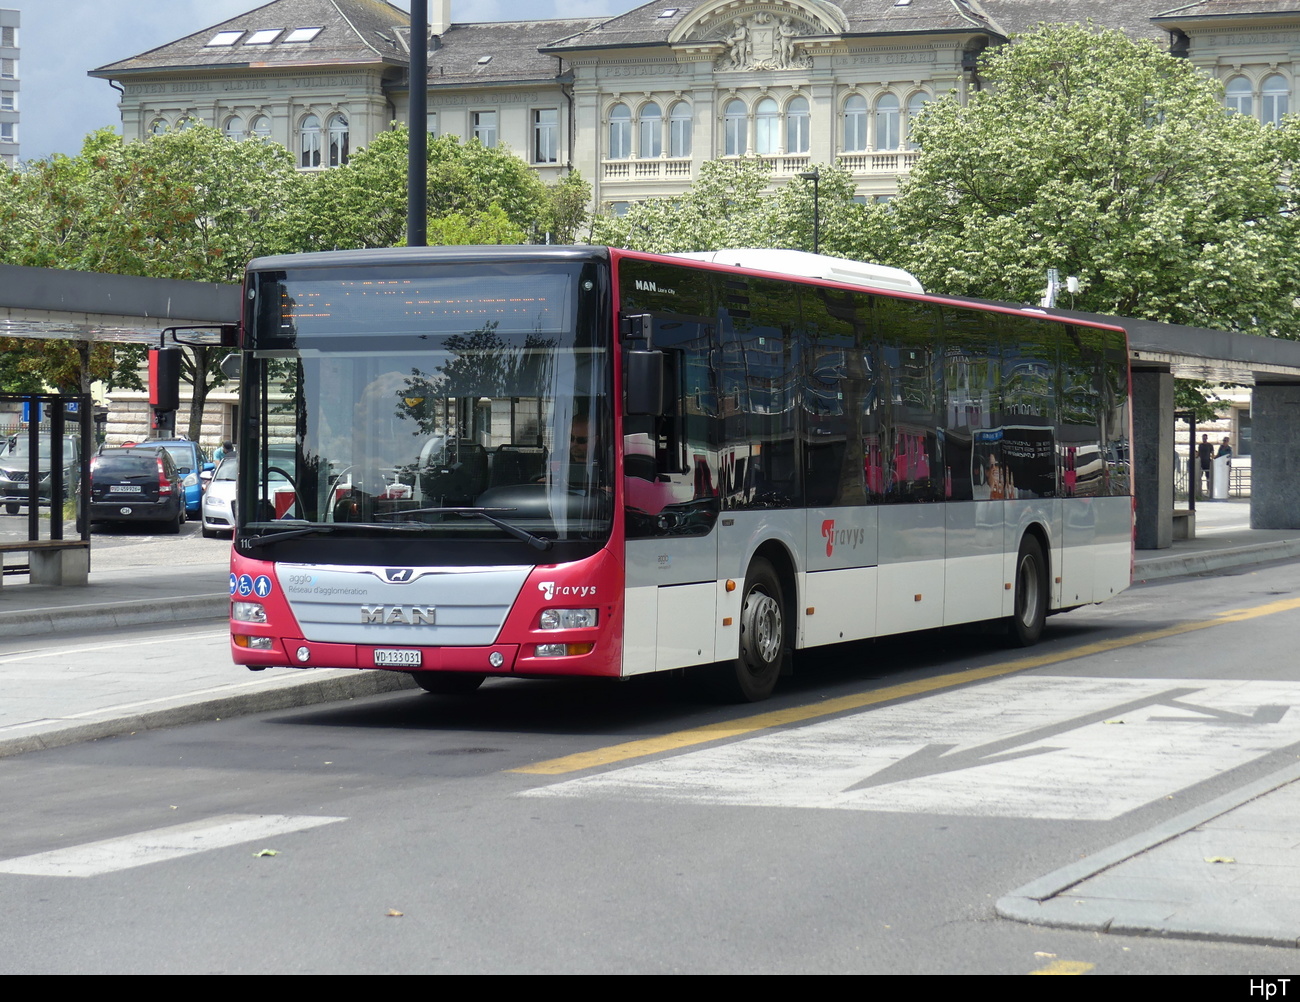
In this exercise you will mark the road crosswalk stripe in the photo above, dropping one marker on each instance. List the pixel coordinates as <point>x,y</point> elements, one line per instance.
<point>172,842</point>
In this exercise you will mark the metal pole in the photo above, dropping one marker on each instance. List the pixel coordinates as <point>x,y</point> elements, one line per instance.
<point>815,176</point>
<point>417,180</point>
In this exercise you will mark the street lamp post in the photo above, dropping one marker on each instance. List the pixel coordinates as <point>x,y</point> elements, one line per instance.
<point>417,178</point>
<point>815,176</point>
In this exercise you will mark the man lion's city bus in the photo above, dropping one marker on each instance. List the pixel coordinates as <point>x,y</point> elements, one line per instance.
<point>544,461</point>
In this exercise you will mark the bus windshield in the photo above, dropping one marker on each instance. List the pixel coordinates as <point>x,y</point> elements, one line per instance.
<point>432,402</point>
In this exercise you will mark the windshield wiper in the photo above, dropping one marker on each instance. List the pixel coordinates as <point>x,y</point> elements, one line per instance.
<point>536,542</point>
<point>324,527</point>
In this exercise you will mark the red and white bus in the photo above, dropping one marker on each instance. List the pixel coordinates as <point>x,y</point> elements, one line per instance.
<point>536,461</point>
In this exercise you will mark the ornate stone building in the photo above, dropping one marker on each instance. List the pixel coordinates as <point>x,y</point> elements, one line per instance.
<point>639,101</point>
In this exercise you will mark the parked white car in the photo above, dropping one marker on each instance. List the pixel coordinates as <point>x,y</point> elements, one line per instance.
<point>219,500</point>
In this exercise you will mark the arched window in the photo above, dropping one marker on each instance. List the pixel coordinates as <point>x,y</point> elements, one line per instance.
<point>652,131</point>
<point>620,132</point>
<point>234,128</point>
<point>855,124</point>
<point>309,142</point>
<point>914,105</point>
<point>887,125</point>
<point>767,128</point>
<point>158,126</point>
<point>797,126</point>
<point>734,121</point>
<point>1274,99</point>
<point>261,127</point>
<point>338,131</point>
<point>1238,97</point>
<point>679,130</point>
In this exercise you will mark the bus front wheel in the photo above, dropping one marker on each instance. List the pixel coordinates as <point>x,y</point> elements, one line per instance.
<point>1025,626</point>
<point>752,676</point>
<point>447,683</point>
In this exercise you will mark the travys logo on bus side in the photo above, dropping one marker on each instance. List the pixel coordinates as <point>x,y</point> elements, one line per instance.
<point>841,537</point>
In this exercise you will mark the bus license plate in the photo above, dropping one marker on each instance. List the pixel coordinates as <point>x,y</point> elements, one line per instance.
<point>399,658</point>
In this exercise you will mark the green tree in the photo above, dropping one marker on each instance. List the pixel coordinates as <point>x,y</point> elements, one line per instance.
<point>190,204</point>
<point>730,205</point>
<point>1110,160</point>
<point>363,204</point>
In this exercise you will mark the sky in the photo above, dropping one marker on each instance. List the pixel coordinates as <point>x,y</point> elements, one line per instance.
<point>61,40</point>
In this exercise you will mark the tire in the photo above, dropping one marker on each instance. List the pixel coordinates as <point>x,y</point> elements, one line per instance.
<point>209,533</point>
<point>173,528</point>
<point>448,683</point>
<point>752,676</point>
<point>1025,626</point>
<point>12,509</point>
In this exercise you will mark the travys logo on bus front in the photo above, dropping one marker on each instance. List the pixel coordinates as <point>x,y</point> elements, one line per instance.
<point>851,538</point>
<point>550,590</point>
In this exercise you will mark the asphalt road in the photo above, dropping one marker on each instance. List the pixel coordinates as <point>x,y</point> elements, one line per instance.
<point>131,545</point>
<point>566,827</point>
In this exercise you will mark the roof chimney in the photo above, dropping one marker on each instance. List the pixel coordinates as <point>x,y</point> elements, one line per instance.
<point>439,17</point>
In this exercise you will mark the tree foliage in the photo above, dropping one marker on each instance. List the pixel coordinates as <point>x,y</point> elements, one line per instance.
<point>364,203</point>
<point>194,204</point>
<point>729,206</point>
<point>1112,161</point>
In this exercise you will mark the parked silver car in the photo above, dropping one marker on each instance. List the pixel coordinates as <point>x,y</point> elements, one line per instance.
<point>219,500</point>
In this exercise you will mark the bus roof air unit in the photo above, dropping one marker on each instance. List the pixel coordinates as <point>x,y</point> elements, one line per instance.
<point>805,265</point>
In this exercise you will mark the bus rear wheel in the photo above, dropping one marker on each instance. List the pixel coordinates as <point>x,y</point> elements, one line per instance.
<point>752,676</point>
<point>448,683</point>
<point>1025,626</point>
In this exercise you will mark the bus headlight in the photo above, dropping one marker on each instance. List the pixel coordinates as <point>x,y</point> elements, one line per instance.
<point>247,612</point>
<point>253,643</point>
<point>562,650</point>
<point>567,619</point>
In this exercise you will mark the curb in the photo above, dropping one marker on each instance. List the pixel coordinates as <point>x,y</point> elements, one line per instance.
<point>345,684</point>
<point>1181,565</point>
<point>1039,903</point>
<point>111,615</point>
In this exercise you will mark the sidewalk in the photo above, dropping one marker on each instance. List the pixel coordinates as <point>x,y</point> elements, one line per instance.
<point>1159,883</point>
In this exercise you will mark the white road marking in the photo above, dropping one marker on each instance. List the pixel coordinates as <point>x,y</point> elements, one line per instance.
<point>1032,747</point>
<point>110,855</point>
<point>17,657</point>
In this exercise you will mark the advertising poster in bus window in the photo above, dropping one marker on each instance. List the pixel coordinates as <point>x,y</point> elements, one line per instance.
<point>1012,463</point>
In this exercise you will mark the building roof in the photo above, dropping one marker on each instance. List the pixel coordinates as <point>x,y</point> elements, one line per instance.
<point>651,24</point>
<point>351,31</point>
<point>511,47</point>
<point>375,31</point>
<point>1133,17</point>
<point>1229,8</point>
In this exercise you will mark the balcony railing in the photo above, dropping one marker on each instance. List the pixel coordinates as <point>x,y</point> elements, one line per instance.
<point>884,162</point>
<point>676,168</point>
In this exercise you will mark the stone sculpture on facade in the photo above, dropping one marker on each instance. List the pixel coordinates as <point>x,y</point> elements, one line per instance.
<point>759,42</point>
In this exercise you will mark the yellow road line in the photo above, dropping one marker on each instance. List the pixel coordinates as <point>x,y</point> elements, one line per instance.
<point>1065,967</point>
<point>796,714</point>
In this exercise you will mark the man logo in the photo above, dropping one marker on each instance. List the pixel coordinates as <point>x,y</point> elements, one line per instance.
<point>398,575</point>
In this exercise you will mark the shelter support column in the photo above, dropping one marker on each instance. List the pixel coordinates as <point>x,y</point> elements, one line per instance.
<point>1153,459</point>
<point>1275,456</point>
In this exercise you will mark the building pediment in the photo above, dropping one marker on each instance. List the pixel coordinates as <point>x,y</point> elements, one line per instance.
<point>758,34</point>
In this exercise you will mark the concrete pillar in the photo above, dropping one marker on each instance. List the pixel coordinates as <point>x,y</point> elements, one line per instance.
<point>59,567</point>
<point>1153,459</point>
<point>1275,457</point>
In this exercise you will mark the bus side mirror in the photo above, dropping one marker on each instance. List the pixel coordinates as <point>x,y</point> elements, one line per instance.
<point>644,389</point>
